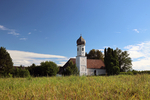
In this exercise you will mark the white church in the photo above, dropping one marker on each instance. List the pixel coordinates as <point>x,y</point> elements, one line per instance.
<point>84,65</point>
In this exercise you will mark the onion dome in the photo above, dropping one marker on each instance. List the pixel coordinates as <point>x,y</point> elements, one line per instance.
<point>81,41</point>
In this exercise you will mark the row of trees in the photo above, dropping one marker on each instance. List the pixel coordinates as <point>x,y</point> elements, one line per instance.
<point>6,67</point>
<point>47,68</point>
<point>115,60</point>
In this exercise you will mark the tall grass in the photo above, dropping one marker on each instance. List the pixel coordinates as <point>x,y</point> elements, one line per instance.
<point>120,87</point>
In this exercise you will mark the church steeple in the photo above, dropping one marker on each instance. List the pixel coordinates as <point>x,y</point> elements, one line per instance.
<point>81,41</point>
<point>81,46</point>
<point>81,60</point>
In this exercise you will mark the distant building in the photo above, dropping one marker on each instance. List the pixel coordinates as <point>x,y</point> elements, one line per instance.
<point>84,65</point>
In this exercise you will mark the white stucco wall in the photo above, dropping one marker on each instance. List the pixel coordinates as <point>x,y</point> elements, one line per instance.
<point>98,71</point>
<point>81,63</point>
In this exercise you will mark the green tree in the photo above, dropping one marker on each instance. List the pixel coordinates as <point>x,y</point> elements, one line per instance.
<point>71,69</point>
<point>111,62</point>
<point>6,63</point>
<point>32,69</point>
<point>125,62</point>
<point>95,54</point>
<point>49,68</point>
<point>20,72</point>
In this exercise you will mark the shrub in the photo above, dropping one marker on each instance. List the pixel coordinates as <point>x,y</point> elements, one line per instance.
<point>135,72</point>
<point>49,68</point>
<point>126,73</point>
<point>71,69</point>
<point>19,72</point>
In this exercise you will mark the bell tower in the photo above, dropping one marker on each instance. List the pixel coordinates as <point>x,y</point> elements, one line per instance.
<point>81,59</point>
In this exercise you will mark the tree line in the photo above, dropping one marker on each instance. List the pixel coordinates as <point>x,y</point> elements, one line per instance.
<point>116,61</point>
<point>47,68</point>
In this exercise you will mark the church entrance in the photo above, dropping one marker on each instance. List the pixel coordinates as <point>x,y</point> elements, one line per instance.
<point>95,72</point>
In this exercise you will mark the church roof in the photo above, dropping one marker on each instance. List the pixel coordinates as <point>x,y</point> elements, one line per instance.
<point>91,63</point>
<point>81,41</point>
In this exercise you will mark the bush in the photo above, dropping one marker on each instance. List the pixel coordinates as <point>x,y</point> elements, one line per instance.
<point>126,73</point>
<point>144,72</point>
<point>135,72</point>
<point>49,68</point>
<point>116,70</point>
<point>71,69</point>
<point>19,72</point>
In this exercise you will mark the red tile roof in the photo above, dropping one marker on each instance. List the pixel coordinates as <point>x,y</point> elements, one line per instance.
<point>91,63</point>
<point>95,63</point>
<point>71,59</point>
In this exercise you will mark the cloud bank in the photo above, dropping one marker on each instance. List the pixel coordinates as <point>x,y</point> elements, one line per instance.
<point>28,58</point>
<point>140,54</point>
<point>10,31</point>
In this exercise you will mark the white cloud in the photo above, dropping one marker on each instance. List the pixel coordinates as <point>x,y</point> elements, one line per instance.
<point>72,57</point>
<point>10,31</point>
<point>28,58</point>
<point>29,33</point>
<point>136,30</point>
<point>140,54</point>
<point>3,28</point>
<point>23,38</point>
<point>61,63</point>
<point>13,33</point>
<point>102,50</point>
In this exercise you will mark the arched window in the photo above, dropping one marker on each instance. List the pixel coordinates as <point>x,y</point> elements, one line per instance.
<point>82,49</point>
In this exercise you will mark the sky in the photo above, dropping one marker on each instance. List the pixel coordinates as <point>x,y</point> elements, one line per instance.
<point>34,31</point>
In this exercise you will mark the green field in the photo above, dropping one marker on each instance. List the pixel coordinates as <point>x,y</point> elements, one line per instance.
<point>122,87</point>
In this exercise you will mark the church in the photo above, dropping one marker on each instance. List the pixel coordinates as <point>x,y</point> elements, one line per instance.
<point>84,65</point>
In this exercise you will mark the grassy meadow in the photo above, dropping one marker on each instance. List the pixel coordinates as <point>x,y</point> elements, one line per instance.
<point>122,87</point>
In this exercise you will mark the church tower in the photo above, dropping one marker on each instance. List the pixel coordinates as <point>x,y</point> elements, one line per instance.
<point>81,60</point>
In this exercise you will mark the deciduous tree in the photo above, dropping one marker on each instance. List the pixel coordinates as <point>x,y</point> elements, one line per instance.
<point>49,68</point>
<point>125,62</point>
<point>6,63</point>
<point>95,54</point>
<point>71,69</point>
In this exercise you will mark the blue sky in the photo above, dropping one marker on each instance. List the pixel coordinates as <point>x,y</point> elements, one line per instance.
<point>38,30</point>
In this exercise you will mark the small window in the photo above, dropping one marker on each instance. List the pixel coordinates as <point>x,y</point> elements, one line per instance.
<point>77,49</point>
<point>82,49</point>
